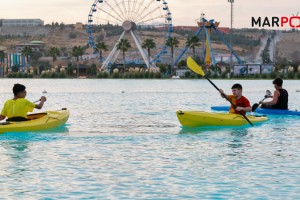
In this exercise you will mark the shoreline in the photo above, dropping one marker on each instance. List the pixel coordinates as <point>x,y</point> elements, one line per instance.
<point>95,78</point>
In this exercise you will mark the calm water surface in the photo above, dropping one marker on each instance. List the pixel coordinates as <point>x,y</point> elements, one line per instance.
<point>123,141</point>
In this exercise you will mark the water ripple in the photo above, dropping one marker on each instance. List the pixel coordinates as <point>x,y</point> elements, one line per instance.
<point>131,146</point>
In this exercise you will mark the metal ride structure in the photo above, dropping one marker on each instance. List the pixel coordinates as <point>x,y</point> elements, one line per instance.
<point>132,16</point>
<point>231,23</point>
<point>208,26</point>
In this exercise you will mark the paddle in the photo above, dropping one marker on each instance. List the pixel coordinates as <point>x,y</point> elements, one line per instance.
<point>37,101</point>
<point>198,70</point>
<point>255,106</point>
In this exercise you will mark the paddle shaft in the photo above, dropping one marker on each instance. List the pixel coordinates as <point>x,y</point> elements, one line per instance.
<point>229,101</point>
<point>266,96</point>
<point>255,106</point>
<point>262,100</point>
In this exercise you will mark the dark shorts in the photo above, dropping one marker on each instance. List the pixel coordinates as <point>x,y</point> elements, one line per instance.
<point>267,106</point>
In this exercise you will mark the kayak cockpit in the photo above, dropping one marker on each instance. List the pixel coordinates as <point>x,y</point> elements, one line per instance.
<point>35,116</point>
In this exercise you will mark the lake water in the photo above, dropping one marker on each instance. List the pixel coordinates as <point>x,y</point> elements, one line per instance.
<point>123,141</point>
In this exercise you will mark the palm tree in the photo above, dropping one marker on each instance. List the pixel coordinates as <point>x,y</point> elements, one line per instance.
<point>2,56</point>
<point>123,45</point>
<point>99,47</point>
<point>26,51</point>
<point>148,44</point>
<point>172,42</point>
<point>77,51</point>
<point>54,52</point>
<point>193,42</point>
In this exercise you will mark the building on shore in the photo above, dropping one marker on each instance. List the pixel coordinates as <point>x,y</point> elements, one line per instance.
<point>21,22</point>
<point>78,26</point>
<point>253,68</point>
<point>34,45</point>
<point>13,61</point>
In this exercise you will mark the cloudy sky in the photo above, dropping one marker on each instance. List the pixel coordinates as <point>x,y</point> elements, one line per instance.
<point>184,11</point>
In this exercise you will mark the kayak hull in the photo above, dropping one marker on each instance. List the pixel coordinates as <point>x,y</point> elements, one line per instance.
<point>264,111</point>
<point>37,122</point>
<point>201,119</point>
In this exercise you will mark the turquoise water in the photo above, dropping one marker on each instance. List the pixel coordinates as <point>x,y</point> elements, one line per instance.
<point>123,141</point>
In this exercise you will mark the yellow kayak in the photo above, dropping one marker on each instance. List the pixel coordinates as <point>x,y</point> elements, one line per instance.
<point>37,122</point>
<point>201,118</point>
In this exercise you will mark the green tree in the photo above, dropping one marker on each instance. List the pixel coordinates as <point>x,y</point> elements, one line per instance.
<point>182,63</point>
<point>163,69</point>
<point>15,68</point>
<point>92,70</point>
<point>36,55</point>
<point>41,66</point>
<point>70,69</point>
<point>265,55</point>
<point>61,26</point>
<point>2,56</point>
<point>172,42</point>
<point>149,44</point>
<point>123,45</point>
<point>100,38</point>
<point>26,51</point>
<point>77,51</point>
<point>101,46</point>
<point>72,35</point>
<point>193,42</point>
<point>54,52</point>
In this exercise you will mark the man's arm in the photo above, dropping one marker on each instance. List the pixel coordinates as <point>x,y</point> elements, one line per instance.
<point>41,104</point>
<point>223,95</point>
<point>246,109</point>
<point>274,100</point>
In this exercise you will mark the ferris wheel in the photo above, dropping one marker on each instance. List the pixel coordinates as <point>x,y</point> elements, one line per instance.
<point>132,17</point>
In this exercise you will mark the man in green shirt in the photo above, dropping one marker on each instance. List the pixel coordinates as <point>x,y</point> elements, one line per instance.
<point>16,109</point>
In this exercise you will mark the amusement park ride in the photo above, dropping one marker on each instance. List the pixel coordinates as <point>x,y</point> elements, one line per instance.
<point>208,26</point>
<point>130,15</point>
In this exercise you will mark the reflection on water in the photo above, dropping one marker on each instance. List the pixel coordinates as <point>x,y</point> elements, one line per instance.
<point>232,129</point>
<point>34,135</point>
<point>237,140</point>
<point>14,154</point>
<point>60,129</point>
<point>19,146</point>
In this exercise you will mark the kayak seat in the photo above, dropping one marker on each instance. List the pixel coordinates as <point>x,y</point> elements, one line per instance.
<point>35,116</point>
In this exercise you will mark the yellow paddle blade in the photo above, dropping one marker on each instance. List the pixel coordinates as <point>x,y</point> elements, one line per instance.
<point>194,66</point>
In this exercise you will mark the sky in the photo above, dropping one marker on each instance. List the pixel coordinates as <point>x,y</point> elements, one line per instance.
<point>184,12</point>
